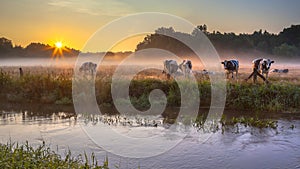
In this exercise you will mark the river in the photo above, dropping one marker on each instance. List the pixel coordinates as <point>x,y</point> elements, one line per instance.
<point>247,147</point>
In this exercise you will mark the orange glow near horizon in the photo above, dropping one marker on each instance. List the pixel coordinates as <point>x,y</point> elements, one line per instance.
<point>59,49</point>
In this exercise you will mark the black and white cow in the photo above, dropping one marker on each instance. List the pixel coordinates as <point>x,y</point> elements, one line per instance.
<point>260,65</point>
<point>231,66</point>
<point>280,70</point>
<point>206,72</point>
<point>88,67</point>
<point>256,69</point>
<point>170,68</point>
<point>265,66</point>
<point>186,67</point>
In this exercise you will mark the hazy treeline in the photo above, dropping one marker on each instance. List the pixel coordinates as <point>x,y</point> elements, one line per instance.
<point>7,49</point>
<point>286,43</point>
<point>39,50</point>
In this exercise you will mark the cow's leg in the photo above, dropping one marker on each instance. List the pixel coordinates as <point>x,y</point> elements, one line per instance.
<point>255,76</point>
<point>261,76</point>
<point>92,73</point>
<point>250,76</point>
<point>236,75</point>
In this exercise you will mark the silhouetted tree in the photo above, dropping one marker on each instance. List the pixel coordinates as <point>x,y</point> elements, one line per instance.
<point>5,45</point>
<point>286,43</point>
<point>166,39</point>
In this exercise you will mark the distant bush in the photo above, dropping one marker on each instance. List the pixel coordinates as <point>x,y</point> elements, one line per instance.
<point>286,50</point>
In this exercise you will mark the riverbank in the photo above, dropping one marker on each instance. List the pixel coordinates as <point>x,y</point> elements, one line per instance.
<point>54,86</point>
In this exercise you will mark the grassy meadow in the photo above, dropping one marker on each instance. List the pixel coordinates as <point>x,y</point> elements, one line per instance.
<point>51,85</point>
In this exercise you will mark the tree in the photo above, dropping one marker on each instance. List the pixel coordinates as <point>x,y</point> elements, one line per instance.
<point>290,35</point>
<point>5,46</point>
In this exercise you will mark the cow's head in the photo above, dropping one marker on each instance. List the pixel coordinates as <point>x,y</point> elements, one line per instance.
<point>224,63</point>
<point>227,64</point>
<point>266,64</point>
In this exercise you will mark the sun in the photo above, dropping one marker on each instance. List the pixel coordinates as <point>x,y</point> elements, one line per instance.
<point>58,44</point>
<point>59,48</point>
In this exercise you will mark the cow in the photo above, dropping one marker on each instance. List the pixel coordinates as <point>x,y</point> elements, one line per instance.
<point>186,67</point>
<point>265,66</point>
<point>231,66</point>
<point>260,65</point>
<point>280,70</point>
<point>206,72</point>
<point>88,67</point>
<point>170,68</point>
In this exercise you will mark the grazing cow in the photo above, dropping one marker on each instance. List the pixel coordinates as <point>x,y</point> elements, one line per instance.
<point>280,70</point>
<point>206,72</point>
<point>231,66</point>
<point>170,68</point>
<point>265,66</point>
<point>186,67</point>
<point>257,64</point>
<point>88,67</point>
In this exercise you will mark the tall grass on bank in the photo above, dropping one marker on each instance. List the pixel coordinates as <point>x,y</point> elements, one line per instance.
<point>36,88</point>
<point>273,97</point>
<point>44,88</point>
<point>25,156</point>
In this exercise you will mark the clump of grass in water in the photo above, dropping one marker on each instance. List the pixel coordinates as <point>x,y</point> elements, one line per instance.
<point>25,156</point>
<point>249,121</point>
<point>234,121</point>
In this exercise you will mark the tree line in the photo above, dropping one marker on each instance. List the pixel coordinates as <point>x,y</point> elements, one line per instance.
<point>286,43</point>
<point>8,50</point>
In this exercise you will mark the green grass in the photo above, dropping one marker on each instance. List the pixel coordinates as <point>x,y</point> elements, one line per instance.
<point>46,88</point>
<point>25,156</point>
<point>274,97</point>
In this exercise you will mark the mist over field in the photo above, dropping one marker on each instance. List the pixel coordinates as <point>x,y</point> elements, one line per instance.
<point>145,58</point>
<point>283,48</point>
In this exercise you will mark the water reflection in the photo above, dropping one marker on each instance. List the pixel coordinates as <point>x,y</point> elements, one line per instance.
<point>248,148</point>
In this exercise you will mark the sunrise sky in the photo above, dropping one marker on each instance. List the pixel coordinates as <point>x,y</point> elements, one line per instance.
<point>74,21</point>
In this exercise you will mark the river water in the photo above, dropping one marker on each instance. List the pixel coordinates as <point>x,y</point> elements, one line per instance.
<point>245,147</point>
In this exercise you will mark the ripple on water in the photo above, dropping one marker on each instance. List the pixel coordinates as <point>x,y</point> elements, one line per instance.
<point>249,148</point>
